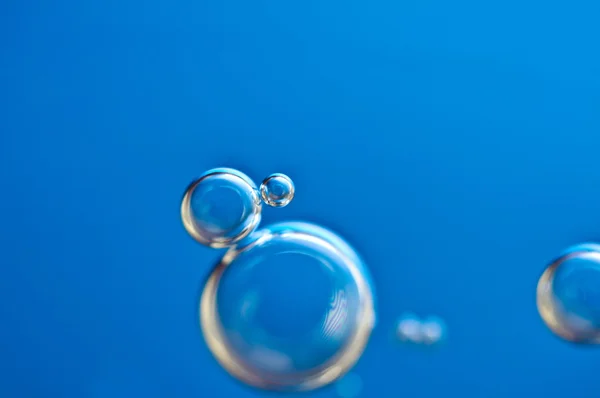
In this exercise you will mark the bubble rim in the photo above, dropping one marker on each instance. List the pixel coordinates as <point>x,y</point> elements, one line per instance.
<point>337,366</point>
<point>249,188</point>
<point>551,311</point>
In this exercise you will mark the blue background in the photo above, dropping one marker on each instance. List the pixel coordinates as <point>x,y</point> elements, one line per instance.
<point>454,144</point>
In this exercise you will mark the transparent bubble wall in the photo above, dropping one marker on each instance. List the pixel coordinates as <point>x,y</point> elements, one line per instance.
<point>289,307</point>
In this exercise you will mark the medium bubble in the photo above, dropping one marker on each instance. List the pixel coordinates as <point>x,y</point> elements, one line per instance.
<point>568,295</point>
<point>290,308</point>
<point>221,207</point>
<point>277,190</point>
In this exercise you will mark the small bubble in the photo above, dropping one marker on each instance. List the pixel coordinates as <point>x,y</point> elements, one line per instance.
<point>277,190</point>
<point>290,308</point>
<point>568,295</point>
<point>221,207</point>
<point>408,329</point>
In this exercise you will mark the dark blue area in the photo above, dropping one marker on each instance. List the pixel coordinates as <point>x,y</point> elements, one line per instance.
<point>454,144</point>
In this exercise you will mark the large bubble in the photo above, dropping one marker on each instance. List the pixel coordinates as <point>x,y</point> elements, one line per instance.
<point>289,308</point>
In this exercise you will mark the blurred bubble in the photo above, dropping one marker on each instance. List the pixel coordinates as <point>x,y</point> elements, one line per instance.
<point>290,308</point>
<point>568,295</point>
<point>408,329</point>
<point>433,330</point>
<point>414,330</point>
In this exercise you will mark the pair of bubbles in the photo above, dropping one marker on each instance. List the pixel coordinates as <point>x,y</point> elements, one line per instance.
<point>428,331</point>
<point>289,307</point>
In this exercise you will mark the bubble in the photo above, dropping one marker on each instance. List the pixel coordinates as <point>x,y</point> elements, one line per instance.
<point>568,295</point>
<point>221,207</point>
<point>290,308</point>
<point>433,330</point>
<point>408,329</point>
<point>277,190</point>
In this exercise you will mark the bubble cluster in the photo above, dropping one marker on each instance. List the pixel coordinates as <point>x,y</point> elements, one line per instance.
<point>289,307</point>
<point>277,190</point>
<point>568,294</point>
<point>414,330</point>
